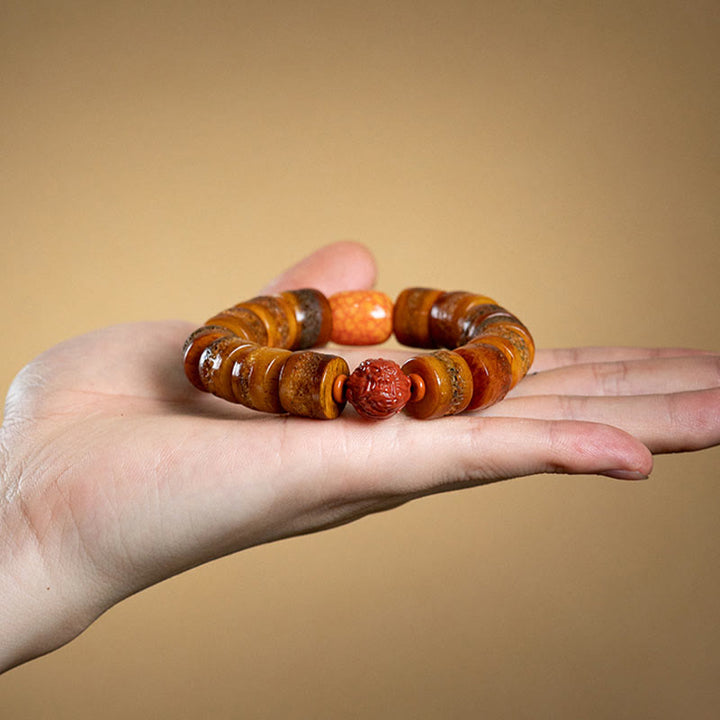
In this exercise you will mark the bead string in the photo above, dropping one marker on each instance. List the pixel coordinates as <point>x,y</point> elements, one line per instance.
<point>257,353</point>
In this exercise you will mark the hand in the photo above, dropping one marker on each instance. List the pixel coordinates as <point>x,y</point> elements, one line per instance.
<point>116,473</point>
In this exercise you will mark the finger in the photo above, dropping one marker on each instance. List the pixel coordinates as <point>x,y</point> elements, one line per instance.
<point>335,267</point>
<point>460,451</point>
<point>675,422</point>
<point>562,357</point>
<point>626,377</point>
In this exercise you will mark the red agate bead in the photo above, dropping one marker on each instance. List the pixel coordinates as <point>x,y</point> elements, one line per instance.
<point>378,389</point>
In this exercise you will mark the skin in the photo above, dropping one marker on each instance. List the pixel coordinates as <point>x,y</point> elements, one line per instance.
<point>115,473</point>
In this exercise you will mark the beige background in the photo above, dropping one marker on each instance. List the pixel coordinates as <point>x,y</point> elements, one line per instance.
<point>165,159</point>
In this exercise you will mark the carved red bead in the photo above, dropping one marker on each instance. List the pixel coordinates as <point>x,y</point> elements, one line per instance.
<point>378,389</point>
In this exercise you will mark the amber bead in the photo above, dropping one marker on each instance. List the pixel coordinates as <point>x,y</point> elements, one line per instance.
<point>277,317</point>
<point>361,317</point>
<point>312,315</point>
<point>255,377</point>
<point>517,369</point>
<point>411,316</point>
<point>491,373</point>
<point>448,384</point>
<point>194,347</point>
<point>476,316</point>
<point>243,322</point>
<point>213,363</point>
<point>516,332</point>
<point>449,314</point>
<point>306,384</point>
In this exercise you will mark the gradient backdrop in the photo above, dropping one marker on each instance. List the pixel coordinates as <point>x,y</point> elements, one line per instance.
<point>165,159</point>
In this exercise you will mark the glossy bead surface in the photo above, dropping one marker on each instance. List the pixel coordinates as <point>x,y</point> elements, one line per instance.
<point>306,384</point>
<point>448,316</point>
<point>361,317</point>
<point>476,317</point>
<point>517,371</point>
<point>213,363</point>
<point>277,317</point>
<point>194,347</point>
<point>490,371</point>
<point>411,316</point>
<point>243,323</point>
<point>448,384</point>
<point>312,315</point>
<point>255,377</point>
<point>514,331</point>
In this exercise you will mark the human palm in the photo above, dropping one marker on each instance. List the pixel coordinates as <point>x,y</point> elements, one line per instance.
<point>121,473</point>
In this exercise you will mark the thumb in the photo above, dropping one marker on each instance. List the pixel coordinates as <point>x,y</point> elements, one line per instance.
<point>338,266</point>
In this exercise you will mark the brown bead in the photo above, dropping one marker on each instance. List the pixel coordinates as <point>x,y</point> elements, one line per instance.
<point>448,316</point>
<point>517,370</point>
<point>476,316</point>
<point>213,363</point>
<point>243,322</point>
<point>516,333</point>
<point>193,349</point>
<point>255,377</point>
<point>448,384</point>
<point>306,384</point>
<point>491,373</point>
<point>277,316</point>
<point>411,316</point>
<point>312,315</point>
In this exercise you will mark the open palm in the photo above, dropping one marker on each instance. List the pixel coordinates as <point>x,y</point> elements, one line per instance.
<point>118,473</point>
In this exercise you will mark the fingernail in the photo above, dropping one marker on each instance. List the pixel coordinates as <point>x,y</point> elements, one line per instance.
<point>625,474</point>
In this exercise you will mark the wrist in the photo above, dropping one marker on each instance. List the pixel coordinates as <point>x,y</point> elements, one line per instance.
<point>40,606</point>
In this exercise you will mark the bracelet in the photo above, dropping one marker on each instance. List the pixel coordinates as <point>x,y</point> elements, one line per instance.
<point>256,353</point>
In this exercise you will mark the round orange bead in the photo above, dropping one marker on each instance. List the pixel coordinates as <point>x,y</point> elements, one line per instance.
<point>361,317</point>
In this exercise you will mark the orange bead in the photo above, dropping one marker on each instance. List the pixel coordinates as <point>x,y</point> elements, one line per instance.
<point>511,352</point>
<point>448,316</point>
<point>491,373</point>
<point>195,345</point>
<point>361,317</point>
<point>447,381</point>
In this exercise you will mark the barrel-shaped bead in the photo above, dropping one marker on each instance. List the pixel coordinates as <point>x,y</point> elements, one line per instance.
<point>313,317</point>
<point>514,331</point>
<point>490,371</point>
<point>194,347</point>
<point>508,348</point>
<point>449,314</point>
<point>213,367</point>
<point>243,323</point>
<point>361,317</point>
<point>448,384</point>
<point>277,317</point>
<point>411,316</point>
<point>255,377</point>
<point>306,384</point>
<point>478,316</point>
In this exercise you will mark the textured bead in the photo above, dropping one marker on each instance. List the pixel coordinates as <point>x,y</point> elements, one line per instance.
<point>491,373</point>
<point>312,315</point>
<point>194,347</point>
<point>514,331</point>
<point>306,384</point>
<point>361,317</point>
<point>277,317</point>
<point>378,389</point>
<point>517,371</point>
<point>411,316</point>
<point>449,314</point>
<point>213,363</point>
<point>255,377</point>
<point>448,384</point>
<point>242,322</point>
<point>476,317</point>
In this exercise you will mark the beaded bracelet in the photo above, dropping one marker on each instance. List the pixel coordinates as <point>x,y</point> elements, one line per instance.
<point>256,353</point>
